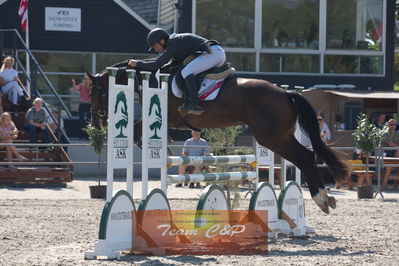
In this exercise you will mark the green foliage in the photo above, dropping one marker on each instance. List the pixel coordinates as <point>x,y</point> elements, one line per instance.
<point>367,136</point>
<point>223,138</point>
<point>155,105</point>
<point>97,138</point>
<point>121,97</point>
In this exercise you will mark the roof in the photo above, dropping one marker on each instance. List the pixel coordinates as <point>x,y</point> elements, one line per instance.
<point>144,11</point>
<point>367,94</point>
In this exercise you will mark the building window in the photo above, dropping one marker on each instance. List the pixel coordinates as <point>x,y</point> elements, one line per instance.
<point>354,24</point>
<point>299,31</point>
<point>64,62</point>
<point>352,42</point>
<point>231,22</point>
<point>242,61</point>
<point>104,60</point>
<point>351,113</point>
<point>353,64</point>
<point>290,63</point>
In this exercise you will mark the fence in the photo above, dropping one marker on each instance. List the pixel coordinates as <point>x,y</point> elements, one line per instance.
<point>378,166</point>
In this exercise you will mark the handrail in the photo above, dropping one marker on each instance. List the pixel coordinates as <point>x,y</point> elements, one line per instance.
<point>36,65</point>
<point>37,68</point>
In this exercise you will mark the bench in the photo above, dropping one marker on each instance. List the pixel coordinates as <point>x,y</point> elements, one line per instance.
<point>360,172</point>
<point>386,174</point>
<point>277,174</point>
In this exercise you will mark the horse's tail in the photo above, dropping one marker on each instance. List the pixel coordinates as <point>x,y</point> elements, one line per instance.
<point>308,121</point>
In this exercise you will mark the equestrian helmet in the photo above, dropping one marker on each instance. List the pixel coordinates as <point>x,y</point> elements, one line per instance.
<point>155,35</point>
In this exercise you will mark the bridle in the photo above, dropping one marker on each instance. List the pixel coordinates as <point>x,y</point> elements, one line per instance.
<point>101,96</point>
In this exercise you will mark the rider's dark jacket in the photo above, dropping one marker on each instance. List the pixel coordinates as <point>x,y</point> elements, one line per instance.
<point>178,47</point>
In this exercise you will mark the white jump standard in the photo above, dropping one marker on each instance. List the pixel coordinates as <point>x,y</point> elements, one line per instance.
<point>285,213</point>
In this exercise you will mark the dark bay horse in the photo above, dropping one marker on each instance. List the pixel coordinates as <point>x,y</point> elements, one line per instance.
<point>268,110</point>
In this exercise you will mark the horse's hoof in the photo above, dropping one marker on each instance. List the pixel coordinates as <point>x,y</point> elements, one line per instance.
<point>332,202</point>
<point>329,199</point>
<point>323,205</point>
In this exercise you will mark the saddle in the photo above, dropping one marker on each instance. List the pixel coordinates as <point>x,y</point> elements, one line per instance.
<point>215,73</point>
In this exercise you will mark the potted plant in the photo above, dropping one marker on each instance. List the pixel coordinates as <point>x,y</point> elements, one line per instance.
<point>367,138</point>
<point>223,140</point>
<point>97,139</point>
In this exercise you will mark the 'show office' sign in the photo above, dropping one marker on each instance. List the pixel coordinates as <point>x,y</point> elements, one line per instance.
<point>62,19</point>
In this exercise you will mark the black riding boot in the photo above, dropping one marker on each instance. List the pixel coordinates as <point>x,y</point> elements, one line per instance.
<point>192,91</point>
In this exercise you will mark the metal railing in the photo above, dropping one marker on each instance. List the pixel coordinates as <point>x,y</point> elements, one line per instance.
<point>15,42</point>
<point>378,164</point>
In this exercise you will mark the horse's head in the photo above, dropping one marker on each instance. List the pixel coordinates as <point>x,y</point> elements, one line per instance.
<point>99,92</point>
<point>99,99</point>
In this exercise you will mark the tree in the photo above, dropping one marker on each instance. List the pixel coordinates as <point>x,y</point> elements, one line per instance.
<point>223,138</point>
<point>97,139</point>
<point>121,97</point>
<point>222,141</point>
<point>155,104</point>
<point>367,137</point>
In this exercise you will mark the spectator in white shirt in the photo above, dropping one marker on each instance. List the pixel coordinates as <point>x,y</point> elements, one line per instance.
<point>325,132</point>
<point>9,81</point>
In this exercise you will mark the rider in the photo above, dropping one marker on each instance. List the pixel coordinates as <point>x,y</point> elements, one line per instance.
<point>178,47</point>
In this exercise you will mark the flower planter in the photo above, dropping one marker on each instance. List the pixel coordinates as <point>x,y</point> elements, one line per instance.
<point>365,192</point>
<point>98,192</point>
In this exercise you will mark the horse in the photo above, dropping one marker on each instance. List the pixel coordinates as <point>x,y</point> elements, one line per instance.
<point>269,111</point>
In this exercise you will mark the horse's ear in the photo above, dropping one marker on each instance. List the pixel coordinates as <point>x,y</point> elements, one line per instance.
<point>90,76</point>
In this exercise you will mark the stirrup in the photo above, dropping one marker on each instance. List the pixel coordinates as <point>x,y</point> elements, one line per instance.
<point>194,109</point>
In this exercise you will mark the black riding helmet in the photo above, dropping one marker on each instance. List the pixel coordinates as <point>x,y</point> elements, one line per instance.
<point>155,36</point>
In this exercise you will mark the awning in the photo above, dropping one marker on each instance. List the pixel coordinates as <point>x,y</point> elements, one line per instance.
<point>367,94</point>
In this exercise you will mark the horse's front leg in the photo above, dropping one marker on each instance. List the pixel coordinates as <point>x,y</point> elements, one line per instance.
<point>138,133</point>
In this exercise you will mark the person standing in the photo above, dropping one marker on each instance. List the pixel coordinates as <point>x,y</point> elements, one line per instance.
<point>390,138</point>
<point>195,146</point>
<point>84,99</point>
<point>9,82</point>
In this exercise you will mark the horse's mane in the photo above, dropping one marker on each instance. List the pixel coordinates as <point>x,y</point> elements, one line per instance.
<point>123,63</point>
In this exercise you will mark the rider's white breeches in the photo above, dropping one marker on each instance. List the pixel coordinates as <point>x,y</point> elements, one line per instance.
<point>205,61</point>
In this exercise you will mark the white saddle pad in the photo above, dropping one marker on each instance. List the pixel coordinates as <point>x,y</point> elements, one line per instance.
<point>208,91</point>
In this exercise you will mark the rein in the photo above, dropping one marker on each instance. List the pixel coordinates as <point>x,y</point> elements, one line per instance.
<point>101,96</point>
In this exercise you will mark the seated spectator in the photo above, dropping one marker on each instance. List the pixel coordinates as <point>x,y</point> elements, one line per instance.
<point>188,150</point>
<point>1,104</point>
<point>36,121</point>
<point>390,138</point>
<point>325,132</point>
<point>9,82</point>
<point>380,120</point>
<point>57,129</point>
<point>8,132</point>
<point>53,124</point>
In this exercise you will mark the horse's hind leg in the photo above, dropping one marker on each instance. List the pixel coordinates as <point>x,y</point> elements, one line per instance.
<point>304,159</point>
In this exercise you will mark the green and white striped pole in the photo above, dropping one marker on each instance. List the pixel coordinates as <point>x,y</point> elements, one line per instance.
<point>210,160</point>
<point>210,177</point>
